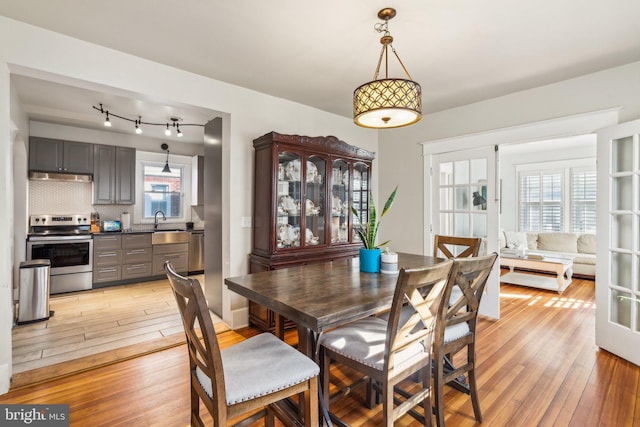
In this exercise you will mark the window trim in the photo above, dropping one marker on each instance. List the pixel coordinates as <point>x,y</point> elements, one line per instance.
<point>144,158</point>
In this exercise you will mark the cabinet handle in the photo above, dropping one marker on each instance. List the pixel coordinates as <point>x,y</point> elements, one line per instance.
<point>107,254</point>
<point>108,270</point>
<point>107,238</point>
<point>136,266</point>
<point>136,251</point>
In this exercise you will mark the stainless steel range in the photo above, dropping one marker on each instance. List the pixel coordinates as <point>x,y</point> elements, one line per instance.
<point>66,241</point>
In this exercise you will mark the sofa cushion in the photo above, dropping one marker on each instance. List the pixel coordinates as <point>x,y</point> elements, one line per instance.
<point>558,242</point>
<point>502,240</point>
<point>532,240</point>
<point>587,243</point>
<point>515,239</point>
<point>584,260</point>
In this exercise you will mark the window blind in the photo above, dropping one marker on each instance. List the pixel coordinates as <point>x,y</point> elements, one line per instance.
<point>583,201</point>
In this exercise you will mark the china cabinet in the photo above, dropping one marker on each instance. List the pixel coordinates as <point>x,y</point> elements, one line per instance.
<point>303,192</point>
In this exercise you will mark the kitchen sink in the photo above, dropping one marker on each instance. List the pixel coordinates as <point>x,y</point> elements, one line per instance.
<point>166,237</point>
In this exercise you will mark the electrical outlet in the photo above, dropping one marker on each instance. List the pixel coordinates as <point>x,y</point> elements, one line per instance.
<point>245,222</point>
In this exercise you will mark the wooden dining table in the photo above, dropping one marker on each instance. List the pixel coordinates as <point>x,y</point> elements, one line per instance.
<point>321,296</point>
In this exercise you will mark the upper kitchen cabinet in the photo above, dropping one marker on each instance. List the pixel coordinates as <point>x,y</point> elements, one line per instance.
<point>54,155</point>
<point>114,175</point>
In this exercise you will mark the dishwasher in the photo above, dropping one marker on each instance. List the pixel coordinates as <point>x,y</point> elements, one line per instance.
<point>196,252</point>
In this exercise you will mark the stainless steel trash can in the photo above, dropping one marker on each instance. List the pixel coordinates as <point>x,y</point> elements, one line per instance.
<point>33,291</point>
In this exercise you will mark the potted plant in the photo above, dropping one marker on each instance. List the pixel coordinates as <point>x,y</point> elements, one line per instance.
<point>370,252</point>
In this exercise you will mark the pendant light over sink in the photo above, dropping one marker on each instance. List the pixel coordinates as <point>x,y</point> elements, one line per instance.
<point>166,168</point>
<point>387,103</point>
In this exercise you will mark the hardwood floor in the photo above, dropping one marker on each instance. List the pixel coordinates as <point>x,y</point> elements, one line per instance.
<point>538,366</point>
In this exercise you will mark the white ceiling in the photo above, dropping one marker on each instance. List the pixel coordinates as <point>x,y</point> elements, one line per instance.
<point>317,53</point>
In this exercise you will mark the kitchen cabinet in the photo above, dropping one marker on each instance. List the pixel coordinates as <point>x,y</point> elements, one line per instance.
<point>197,181</point>
<point>303,192</point>
<point>121,257</point>
<point>54,155</point>
<point>177,253</point>
<point>114,175</point>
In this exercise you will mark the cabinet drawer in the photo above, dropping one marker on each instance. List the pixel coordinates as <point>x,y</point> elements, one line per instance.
<point>107,274</point>
<point>131,271</point>
<point>179,260</point>
<point>136,256</point>
<point>107,258</point>
<point>170,248</point>
<point>106,242</point>
<point>136,241</point>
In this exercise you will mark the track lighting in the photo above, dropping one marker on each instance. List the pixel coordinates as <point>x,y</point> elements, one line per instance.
<point>173,122</point>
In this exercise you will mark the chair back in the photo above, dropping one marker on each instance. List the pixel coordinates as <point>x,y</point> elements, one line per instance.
<point>420,289</point>
<point>448,245</point>
<point>469,276</point>
<point>205,353</point>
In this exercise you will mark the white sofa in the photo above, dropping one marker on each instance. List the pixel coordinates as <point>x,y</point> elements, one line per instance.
<point>582,247</point>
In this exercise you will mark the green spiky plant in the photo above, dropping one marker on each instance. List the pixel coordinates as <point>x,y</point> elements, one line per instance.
<point>369,230</point>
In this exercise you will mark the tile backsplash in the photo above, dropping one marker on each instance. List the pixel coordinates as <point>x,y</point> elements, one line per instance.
<point>55,197</point>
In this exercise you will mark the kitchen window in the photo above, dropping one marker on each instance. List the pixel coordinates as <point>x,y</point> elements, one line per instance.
<point>162,191</point>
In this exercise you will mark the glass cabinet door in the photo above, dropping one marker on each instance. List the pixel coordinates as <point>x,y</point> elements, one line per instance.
<point>289,196</point>
<point>360,195</point>
<point>315,203</point>
<point>340,202</point>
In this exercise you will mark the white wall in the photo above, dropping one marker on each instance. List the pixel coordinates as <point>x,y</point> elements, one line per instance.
<point>39,53</point>
<point>400,153</point>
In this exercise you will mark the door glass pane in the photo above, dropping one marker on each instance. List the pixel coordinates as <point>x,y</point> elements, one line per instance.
<point>461,174</point>
<point>446,199</point>
<point>621,269</point>
<point>479,225</point>
<point>446,174</point>
<point>289,195</point>
<point>621,308</point>
<point>622,155</point>
<point>339,200</point>
<point>461,224</point>
<point>621,231</point>
<point>315,203</point>
<point>478,170</point>
<point>621,193</point>
<point>446,223</point>
<point>479,198</point>
<point>462,198</point>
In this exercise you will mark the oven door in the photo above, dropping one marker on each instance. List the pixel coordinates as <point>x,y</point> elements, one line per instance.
<point>73,254</point>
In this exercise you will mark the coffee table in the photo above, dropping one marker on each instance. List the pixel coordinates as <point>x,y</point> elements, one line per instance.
<point>558,264</point>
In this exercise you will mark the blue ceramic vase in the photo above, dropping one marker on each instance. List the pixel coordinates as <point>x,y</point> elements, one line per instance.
<point>370,260</point>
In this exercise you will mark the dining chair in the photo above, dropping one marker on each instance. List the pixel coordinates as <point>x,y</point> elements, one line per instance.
<point>256,374</point>
<point>389,351</point>
<point>449,245</point>
<point>455,331</point>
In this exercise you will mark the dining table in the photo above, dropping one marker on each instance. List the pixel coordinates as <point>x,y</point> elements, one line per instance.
<point>321,296</point>
<point>324,295</point>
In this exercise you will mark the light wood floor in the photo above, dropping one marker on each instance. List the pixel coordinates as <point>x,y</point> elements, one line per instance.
<point>538,366</point>
<point>102,320</point>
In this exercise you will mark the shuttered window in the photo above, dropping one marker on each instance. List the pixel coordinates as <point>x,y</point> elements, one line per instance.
<point>541,201</point>
<point>583,201</point>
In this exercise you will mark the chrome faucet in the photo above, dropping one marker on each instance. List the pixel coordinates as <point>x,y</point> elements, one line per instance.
<point>155,219</point>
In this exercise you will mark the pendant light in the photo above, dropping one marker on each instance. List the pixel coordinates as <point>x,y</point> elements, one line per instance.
<point>166,168</point>
<point>387,103</point>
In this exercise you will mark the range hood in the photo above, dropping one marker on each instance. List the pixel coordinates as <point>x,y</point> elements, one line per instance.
<point>54,176</point>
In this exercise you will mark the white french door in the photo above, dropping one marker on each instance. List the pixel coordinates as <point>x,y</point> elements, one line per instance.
<point>618,241</point>
<point>464,203</point>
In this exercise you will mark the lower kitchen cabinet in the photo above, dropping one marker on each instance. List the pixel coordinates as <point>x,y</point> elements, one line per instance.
<point>121,257</point>
<point>177,253</point>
